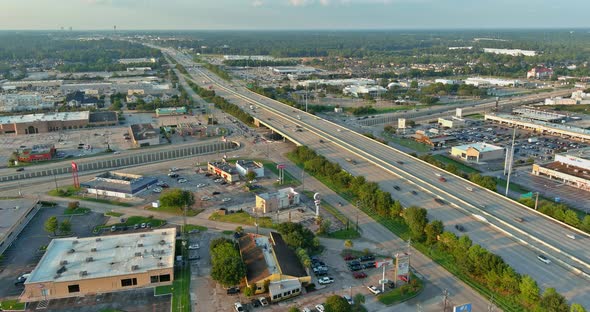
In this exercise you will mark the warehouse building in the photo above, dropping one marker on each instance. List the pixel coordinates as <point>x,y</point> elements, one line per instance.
<point>52,122</point>
<point>15,214</point>
<point>245,166</point>
<point>75,267</point>
<point>478,152</point>
<point>117,184</point>
<point>571,168</point>
<point>269,258</point>
<point>539,126</point>
<point>281,199</point>
<point>144,135</point>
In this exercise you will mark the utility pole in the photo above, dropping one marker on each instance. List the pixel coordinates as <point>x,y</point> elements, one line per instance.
<point>302,181</point>
<point>55,180</point>
<point>536,200</point>
<point>510,160</point>
<point>445,299</point>
<point>491,306</point>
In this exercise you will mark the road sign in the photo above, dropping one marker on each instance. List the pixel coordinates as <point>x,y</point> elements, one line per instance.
<point>379,264</point>
<point>462,308</point>
<point>281,166</point>
<point>527,195</point>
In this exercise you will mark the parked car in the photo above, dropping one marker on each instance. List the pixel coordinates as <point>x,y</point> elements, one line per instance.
<point>193,247</point>
<point>349,257</point>
<point>326,280</point>
<point>255,303</point>
<point>459,227</point>
<point>374,290</point>
<point>216,193</point>
<point>239,307</point>
<point>233,290</point>
<point>182,180</point>
<point>226,199</point>
<point>173,175</point>
<point>173,169</point>
<point>368,265</point>
<point>358,275</point>
<point>320,307</point>
<point>263,301</point>
<point>368,258</point>
<point>348,299</point>
<point>22,279</point>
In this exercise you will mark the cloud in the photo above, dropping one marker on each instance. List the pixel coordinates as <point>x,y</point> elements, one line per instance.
<point>301,3</point>
<point>257,3</point>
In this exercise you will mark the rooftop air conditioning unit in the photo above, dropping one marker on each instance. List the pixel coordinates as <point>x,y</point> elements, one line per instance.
<point>89,259</point>
<point>134,267</point>
<point>83,273</point>
<point>63,262</point>
<point>138,254</point>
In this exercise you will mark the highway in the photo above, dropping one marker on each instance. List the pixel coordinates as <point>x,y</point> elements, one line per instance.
<point>537,231</point>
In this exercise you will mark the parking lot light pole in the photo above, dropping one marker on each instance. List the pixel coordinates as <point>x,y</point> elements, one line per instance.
<point>537,200</point>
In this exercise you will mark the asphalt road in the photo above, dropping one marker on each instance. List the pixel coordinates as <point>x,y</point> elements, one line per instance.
<point>500,213</point>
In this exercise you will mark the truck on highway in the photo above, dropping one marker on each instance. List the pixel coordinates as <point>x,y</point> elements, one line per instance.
<point>533,140</point>
<point>251,106</point>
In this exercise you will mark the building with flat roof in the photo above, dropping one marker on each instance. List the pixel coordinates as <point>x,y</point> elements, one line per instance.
<point>281,199</point>
<point>118,184</point>
<point>571,168</point>
<point>539,114</point>
<point>245,166</point>
<point>24,102</point>
<point>539,73</point>
<point>52,122</point>
<point>338,82</point>
<point>167,111</point>
<point>144,135</point>
<point>513,52</point>
<point>224,170</point>
<point>75,267</point>
<point>541,126</point>
<point>361,90</point>
<point>269,258</point>
<point>452,122</point>
<point>483,82</point>
<point>294,70</point>
<point>477,152</point>
<point>39,152</point>
<point>15,214</point>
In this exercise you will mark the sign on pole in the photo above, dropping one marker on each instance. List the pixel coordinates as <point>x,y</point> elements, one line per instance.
<point>462,308</point>
<point>402,265</point>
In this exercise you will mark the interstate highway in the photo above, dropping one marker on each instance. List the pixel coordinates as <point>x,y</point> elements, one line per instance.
<point>422,177</point>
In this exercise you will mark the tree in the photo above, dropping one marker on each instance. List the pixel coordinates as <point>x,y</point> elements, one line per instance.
<point>227,265</point>
<point>529,291</point>
<point>239,229</point>
<point>51,225</point>
<point>553,301</point>
<point>65,227</point>
<point>251,175</point>
<point>249,291</point>
<point>73,205</point>
<point>177,198</point>
<point>336,303</point>
<point>571,218</point>
<point>433,230</point>
<point>325,227</point>
<point>576,307</point>
<point>294,309</point>
<point>416,219</point>
<point>348,244</point>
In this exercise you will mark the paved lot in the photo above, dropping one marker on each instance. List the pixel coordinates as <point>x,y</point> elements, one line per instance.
<point>23,255</point>
<point>130,301</point>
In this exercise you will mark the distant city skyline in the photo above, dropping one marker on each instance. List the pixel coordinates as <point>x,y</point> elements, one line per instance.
<point>292,14</point>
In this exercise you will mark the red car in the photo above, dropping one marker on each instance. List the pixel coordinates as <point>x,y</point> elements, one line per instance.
<point>348,258</point>
<point>359,275</point>
<point>441,179</point>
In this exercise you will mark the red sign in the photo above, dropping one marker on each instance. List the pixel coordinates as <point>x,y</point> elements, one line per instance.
<point>74,166</point>
<point>281,166</point>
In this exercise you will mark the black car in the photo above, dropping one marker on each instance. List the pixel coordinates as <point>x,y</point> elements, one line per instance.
<point>391,285</point>
<point>397,188</point>
<point>216,193</point>
<point>414,193</point>
<point>20,169</point>
<point>459,227</point>
<point>255,303</point>
<point>354,262</point>
<point>368,258</point>
<point>233,290</point>
<point>368,265</point>
<point>355,268</point>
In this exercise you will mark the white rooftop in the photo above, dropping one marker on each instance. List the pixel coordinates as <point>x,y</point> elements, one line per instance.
<point>113,255</point>
<point>45,117</point>
<point>11,211</point>
<point>264,243</point>
<point>480,146</point>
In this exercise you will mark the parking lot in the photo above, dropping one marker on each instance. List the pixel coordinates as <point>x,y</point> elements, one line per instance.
<point>25,253</point>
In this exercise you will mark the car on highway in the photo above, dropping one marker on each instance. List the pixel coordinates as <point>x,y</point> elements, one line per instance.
<point>397,188</point>
<point>226,199</point>
<point>20,169</point>
<point>325,280</point>
<point>519,219</point>
<point>442,179</point>
<point>459,227</point>
<point>374,290</point>
<point>414,193</point>
<point>544,259</point>
<point>193,246</point>
<point>439,201</point>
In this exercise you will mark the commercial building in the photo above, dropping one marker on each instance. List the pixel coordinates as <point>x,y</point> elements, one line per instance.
<point>453,122</point>
<point>541,126</point>
<point>76,267</point>
<point>137,60</point>
<point>560,101</point>
<point>281,199</point>
<point>269,258</point>
<point>338,82</point>
<point>432,140</point>
<point>539,114</point>
<point>245,166</point>
<point>52,122</point>
<point>513,52</point>
<point>293,70</point>
<point>572,168</point>
<point>478,152</point>
<point>448,81</point>
<point>224,170</point>
<point>40,152</point>
<point>539,73</point>
<point>484,82</point>
<point>144,135</point>
<point>24,102</point>
<point>361,90</point>
<point>117,184</point>
<point>248,57</point>
<point>167,111</point>
<point>15,214</point>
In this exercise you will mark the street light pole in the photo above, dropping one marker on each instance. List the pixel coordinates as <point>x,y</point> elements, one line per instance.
<point>537,200</point>
<point>510,160</point>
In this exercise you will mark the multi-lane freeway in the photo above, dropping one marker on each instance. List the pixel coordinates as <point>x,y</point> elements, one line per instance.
<point>538,233</point>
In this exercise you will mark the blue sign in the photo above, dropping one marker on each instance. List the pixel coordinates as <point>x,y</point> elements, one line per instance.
<point>462,308</point>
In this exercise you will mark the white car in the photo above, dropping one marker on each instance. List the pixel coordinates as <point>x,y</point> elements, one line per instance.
<point>348,299</point>
<point>263,301</point>
<point>239,307</point>
<point>226,199</point>
<point>306,309</point>
<point>374,290</point>
<point>157,190</point>
<point>544,259</point>
<point>320,307</point>
<point>201,185</point>
<point>173,169</point>
<point>182,180</point>
<point>325,280</point>
<point>193,246</point>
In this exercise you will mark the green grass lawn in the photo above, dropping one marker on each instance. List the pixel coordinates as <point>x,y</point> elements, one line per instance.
<point>113,214</point>
<point>191,227</point>
<point>13,304</point>
<point>227,232</point>
<point>475,116</point>
<point>409,143</point>
<point>181,290</point>
<point>177,211</point>
<point>242,217</point>
<point>450,161</point>
<point>513,187</point>
<point>290,180</point>
<point>349,233</point>
<point>137,220</point>
<point>79,210</point>
<point>402,293</point>
<point>163,290</point>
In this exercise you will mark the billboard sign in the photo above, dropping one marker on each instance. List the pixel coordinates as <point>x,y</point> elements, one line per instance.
<point>462,308</point>
<point>402,264</point>
<point>281,166</point>
<point>381,263</point>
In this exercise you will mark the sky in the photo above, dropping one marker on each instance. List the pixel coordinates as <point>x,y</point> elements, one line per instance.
<point>292,14</point>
